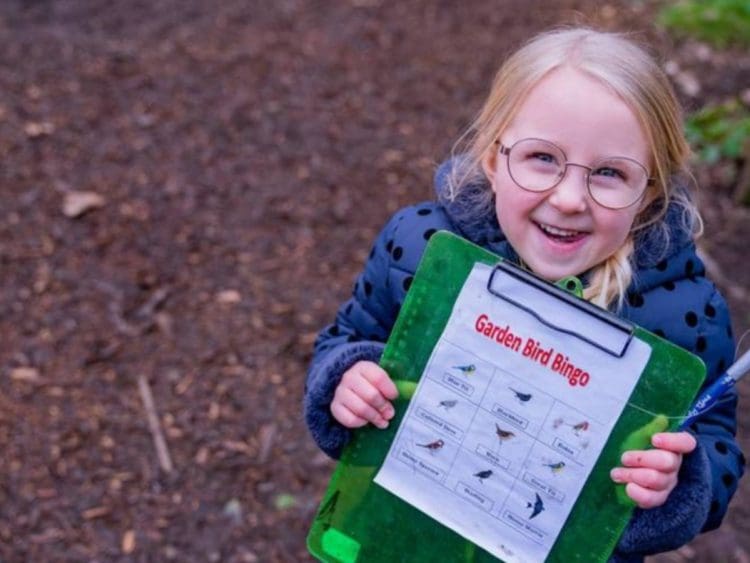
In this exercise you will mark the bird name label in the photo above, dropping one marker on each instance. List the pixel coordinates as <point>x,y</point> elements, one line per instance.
<point>508,420</point>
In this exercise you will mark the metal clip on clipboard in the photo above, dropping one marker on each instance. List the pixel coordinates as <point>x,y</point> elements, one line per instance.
<point>541,299</point>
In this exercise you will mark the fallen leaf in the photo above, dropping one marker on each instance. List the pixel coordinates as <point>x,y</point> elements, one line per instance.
<point>284,501</point>
<point>233,510</point>
<point>77,203</point>
<point>228,297</point>
<point>24,374</point>
<point>688,83</point>
<point>36,129</point>
<point>128,542</point>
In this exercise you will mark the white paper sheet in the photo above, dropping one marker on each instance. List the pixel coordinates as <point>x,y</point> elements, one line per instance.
<point>506,423</point>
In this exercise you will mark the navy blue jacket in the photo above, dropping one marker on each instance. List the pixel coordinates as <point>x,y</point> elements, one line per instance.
<point>669,296</point>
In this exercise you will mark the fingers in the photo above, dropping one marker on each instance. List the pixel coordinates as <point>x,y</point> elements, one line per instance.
<point>660,460</point>
<point>378,378</point>
<point>362,397</point>
<point>644,497</point>
<point>345,416</point>
<point>678,442</point>
<point>367,398</point>
<point>361,408</point>
<point>650,475</point>
<point>374,385</point>
<point>646,478</point>
<point>647,487</point>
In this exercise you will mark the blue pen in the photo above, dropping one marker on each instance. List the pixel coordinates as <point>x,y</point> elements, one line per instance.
<point>709,397</point>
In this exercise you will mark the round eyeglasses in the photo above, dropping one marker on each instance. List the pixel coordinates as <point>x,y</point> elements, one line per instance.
<point>537,165</point>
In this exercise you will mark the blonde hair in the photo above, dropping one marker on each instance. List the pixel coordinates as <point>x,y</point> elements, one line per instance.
<point>631,73</point>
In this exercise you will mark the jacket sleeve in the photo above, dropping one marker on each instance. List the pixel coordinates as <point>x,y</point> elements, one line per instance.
<point>709,475</point>
<point>359,331</point>
<point>716,429</point>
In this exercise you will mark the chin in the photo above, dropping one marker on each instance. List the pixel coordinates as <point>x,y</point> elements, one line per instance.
<point>555,274</point>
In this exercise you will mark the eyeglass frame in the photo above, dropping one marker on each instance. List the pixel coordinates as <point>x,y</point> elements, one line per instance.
<point>650,181</point>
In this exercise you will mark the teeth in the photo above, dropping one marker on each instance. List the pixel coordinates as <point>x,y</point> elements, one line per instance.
<point>558,232</point>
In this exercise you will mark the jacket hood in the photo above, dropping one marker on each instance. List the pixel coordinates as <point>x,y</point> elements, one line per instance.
<point>656,247</point>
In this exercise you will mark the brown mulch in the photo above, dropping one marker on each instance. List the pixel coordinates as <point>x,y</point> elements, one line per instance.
<point>242,155</point>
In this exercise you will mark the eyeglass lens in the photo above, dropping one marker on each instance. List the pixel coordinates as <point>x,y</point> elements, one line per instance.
<point>539,165</point>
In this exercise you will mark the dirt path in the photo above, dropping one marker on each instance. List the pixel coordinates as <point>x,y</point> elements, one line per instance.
<point>243,156</point>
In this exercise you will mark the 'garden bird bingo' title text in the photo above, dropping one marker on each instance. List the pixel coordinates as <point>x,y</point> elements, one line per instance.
<point>532,349</point>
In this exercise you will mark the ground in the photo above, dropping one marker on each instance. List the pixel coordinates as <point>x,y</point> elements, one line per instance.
<point>188,190</point>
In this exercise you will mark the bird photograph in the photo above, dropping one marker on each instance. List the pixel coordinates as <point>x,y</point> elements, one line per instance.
<point>537,506</point>
<point>467,369</point>
<point>503,435</point>
<point>433,446</point>
<point>482,475</point>
<point>522,397</point>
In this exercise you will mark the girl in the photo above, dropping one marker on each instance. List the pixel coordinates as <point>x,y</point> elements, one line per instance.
<point>576,165</point>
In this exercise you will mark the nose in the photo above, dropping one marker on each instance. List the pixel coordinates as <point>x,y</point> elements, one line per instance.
<point>570,195</point>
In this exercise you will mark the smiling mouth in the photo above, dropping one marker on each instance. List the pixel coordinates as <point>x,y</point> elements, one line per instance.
<point>561,235</point>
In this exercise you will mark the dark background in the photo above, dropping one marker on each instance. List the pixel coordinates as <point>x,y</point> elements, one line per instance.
<point>245,154</point>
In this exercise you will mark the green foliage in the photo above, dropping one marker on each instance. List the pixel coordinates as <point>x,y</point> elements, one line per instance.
<point>720,22</point>
<point>719,132</point>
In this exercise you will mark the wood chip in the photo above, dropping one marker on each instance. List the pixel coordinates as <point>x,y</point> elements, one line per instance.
<point>184,384</point>
<point>265,437</point>
<point>46,493</point>
<point>95,512</point>
<point>236,446</point>
<point>202,456</point>
<point>47,536</point>
<point>160,444</point>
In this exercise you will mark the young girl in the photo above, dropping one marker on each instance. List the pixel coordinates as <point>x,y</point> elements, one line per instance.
<point>575,166</point>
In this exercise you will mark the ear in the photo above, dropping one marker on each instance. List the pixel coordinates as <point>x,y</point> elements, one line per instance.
<point>489,163</point>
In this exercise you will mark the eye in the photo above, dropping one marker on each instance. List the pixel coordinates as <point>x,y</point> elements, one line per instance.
<point>611,172</point>
<point>543,157</point>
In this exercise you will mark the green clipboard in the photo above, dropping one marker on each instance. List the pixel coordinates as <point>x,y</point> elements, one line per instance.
<point>360,521</point>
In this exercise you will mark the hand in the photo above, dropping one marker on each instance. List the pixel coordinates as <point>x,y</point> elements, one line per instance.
<point>652,474</point>
<point>363,396</point>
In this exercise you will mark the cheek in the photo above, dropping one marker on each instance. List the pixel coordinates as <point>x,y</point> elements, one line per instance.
<point>617,227</point>
<point>500,180</point>
<point>513,203</point>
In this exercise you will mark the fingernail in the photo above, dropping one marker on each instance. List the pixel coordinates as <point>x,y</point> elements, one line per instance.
<point>617,475</point>
<point>389,412</point>
<point>383,424</point>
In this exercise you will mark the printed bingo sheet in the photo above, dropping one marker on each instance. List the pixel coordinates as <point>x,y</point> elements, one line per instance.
<point>507,422</point>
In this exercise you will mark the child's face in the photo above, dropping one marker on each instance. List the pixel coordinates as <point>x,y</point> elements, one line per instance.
<point>562,231</point>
